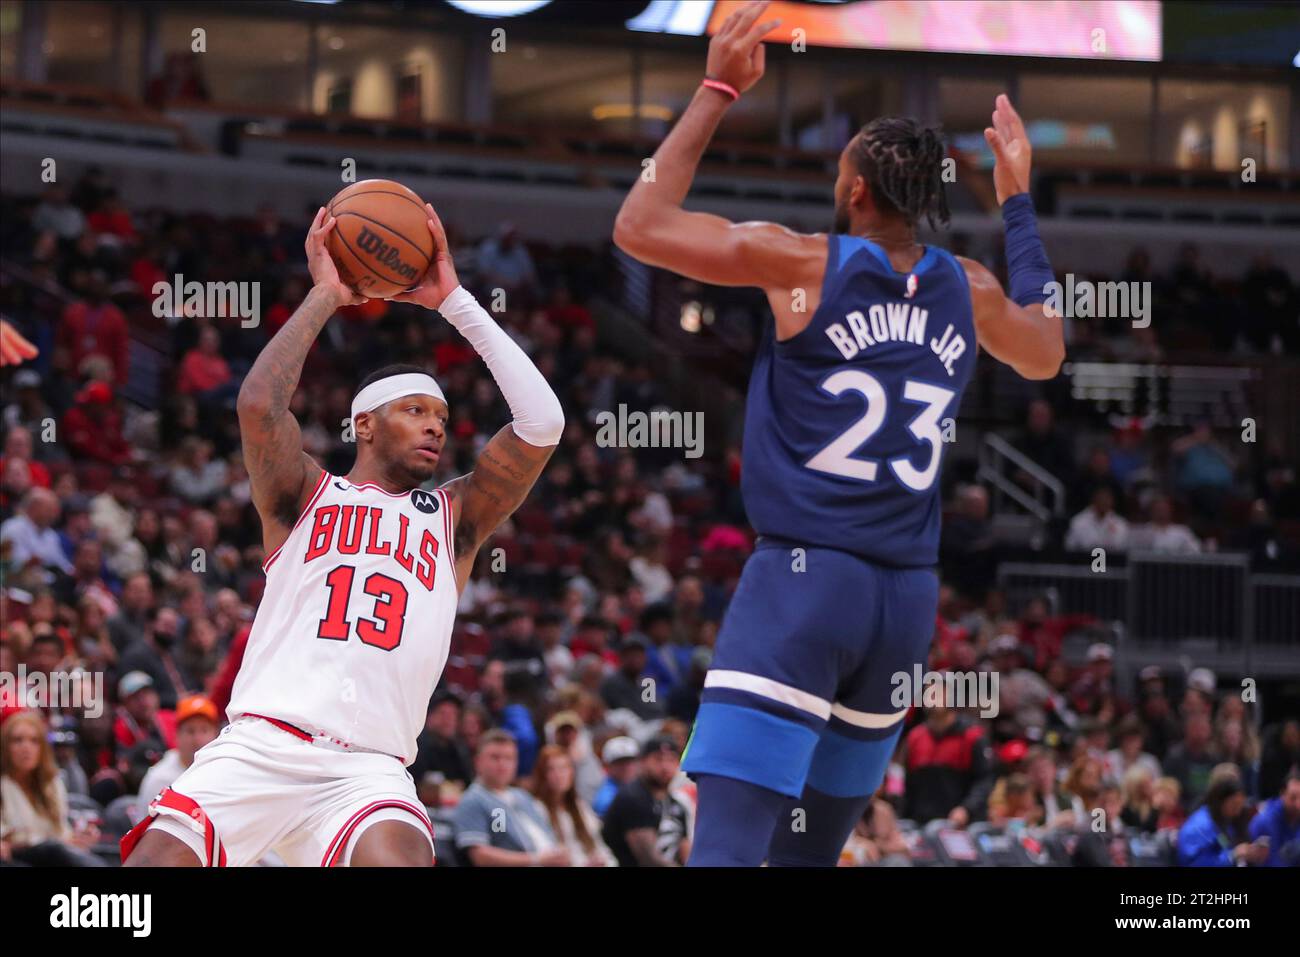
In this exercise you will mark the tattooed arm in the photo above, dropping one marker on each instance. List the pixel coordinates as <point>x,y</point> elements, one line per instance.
<point>504,474</point>
<point>282,476</point>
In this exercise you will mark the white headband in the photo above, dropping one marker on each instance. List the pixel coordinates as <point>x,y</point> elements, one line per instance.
<point>394,387</point>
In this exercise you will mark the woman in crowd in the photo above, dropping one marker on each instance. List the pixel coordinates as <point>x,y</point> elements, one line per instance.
<point>34,802</point>
<point>572,819</point>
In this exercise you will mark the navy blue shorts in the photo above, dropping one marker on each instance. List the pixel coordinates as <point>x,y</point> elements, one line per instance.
<point>802,678</point>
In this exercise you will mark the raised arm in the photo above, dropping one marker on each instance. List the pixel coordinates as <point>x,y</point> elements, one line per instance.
<point>511,462</point>
<point>281,474</point>
<point>1018,330</point>
<point>653,227</point>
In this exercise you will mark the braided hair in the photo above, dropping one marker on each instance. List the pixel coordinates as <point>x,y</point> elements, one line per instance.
<point>903,163</point>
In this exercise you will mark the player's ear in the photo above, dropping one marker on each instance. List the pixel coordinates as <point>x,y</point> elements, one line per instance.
<point>363,426</point>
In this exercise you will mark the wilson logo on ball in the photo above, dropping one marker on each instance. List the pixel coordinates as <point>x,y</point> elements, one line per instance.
<point>385,255</point>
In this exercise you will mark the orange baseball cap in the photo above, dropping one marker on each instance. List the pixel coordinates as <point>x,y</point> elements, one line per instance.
<point>196,706</point>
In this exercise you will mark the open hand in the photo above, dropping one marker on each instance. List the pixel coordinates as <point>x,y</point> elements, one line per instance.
<point>320,263</point>
<point>1011,150</point>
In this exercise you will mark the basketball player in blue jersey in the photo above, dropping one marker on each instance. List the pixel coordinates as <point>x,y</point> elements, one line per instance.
<point>875,338</point>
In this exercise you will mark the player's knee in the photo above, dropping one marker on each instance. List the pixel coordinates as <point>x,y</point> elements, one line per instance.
<point>392,844</point>
<point>159,849</point>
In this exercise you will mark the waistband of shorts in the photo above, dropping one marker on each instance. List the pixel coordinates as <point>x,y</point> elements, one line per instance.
<point>320,738</point>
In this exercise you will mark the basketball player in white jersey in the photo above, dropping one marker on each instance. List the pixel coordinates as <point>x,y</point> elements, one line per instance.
<point>363,576</point>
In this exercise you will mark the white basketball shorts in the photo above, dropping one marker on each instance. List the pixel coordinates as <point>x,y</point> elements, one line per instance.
<point>258,788</point>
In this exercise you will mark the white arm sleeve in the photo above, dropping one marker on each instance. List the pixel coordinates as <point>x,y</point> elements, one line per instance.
<point>538,417</point>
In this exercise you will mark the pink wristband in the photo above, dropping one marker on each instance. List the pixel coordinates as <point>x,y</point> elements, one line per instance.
<point>726,88</point>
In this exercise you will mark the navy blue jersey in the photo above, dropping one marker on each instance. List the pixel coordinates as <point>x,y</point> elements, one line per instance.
<point>844,422</point>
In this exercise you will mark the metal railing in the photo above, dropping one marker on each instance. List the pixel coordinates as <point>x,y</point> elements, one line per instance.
<point>1044,500</point>
<point>1209,609</point>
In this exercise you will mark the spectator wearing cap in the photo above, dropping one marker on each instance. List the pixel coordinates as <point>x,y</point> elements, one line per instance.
<point>34,825</point>
<point>1191,761</point>
<point>93,427</point>
<point>197,723</point>
<point>1097,683</point>
<point>1098,525</point>
<point>497,824</point>
<point>30,535</point>
<point>627,688</point>
<point>1278,821</point>
<point>139,717</point>
<point>1060,808</point>
<point>442,764</point>
<point>154,655</point>
<point>646,825</point>
<point>684,701</point>
<point>1198,696</point>
<point>1214,836</point>
<point>621,757</point>
<point>572,819</point>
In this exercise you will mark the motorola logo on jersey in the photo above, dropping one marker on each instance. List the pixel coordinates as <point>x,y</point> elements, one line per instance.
<point>426,502</point>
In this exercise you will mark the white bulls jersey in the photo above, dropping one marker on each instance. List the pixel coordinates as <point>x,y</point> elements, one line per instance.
<point>354,627</point>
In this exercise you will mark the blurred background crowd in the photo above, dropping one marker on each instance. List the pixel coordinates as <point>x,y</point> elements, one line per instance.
<point>132,553</point>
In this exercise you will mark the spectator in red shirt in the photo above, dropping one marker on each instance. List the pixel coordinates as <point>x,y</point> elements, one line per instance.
<point>203,369</point>
<point>111,218</point>
<point>93,427</point>
<point>94,326</point>
<point>563,312</point>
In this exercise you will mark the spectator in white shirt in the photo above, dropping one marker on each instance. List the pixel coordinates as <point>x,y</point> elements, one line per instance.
<point>1098,525</point>
<point>31,535</point>
<point>1160,534</point>
<point>197,723</point>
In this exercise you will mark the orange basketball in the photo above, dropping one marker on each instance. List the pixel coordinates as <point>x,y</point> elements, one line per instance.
<point>381,243</point>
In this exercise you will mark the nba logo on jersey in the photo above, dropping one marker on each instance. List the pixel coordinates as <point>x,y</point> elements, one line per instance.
<point>426,502</point>
<point>912,283</point>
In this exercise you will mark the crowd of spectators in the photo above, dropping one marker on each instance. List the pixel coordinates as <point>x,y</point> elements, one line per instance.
<point>132,563</point>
